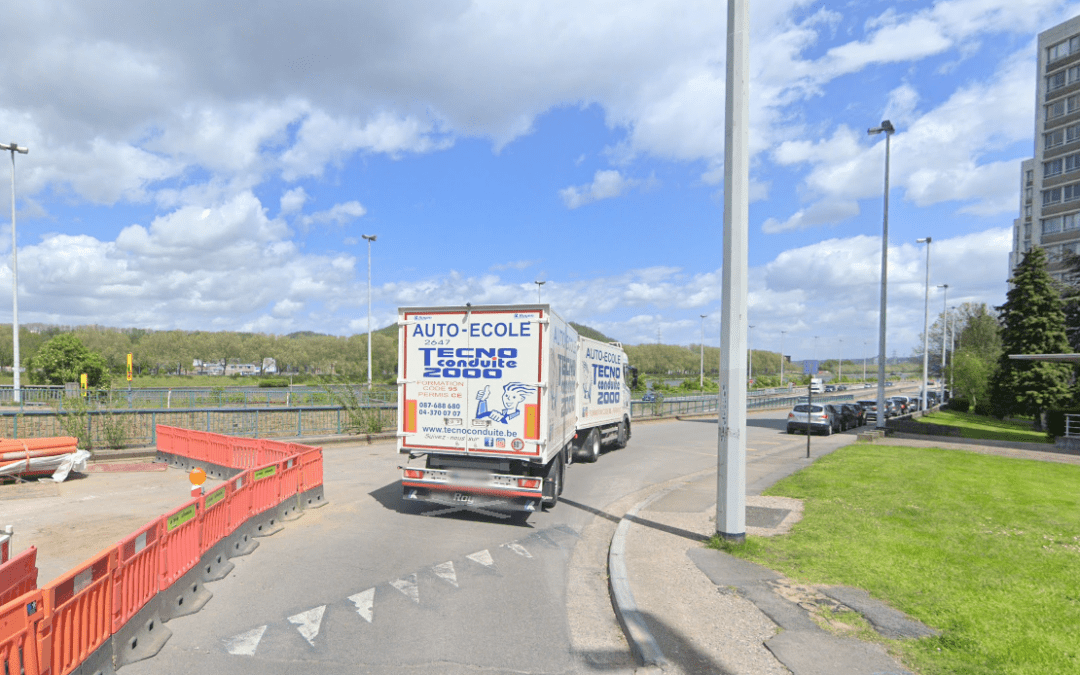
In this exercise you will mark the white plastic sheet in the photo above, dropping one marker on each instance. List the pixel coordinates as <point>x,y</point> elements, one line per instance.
<point>61,465</point>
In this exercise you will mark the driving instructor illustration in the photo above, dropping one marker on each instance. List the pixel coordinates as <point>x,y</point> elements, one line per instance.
<point>514,393</point>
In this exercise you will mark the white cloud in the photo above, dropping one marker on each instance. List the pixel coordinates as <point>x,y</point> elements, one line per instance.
<point>339,214</point>
<point>515,265</point>
<point>293,200</point>
<point>606,184</point>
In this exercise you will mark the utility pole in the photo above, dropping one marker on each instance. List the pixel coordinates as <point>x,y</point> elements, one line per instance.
<point>731,418</point>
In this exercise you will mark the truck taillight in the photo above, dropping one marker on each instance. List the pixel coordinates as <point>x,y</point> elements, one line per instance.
<point>529,483</point>
<point>414,473</point>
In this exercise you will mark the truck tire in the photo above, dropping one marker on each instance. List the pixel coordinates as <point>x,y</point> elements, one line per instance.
<point>591,447</point>
<point>621,436</point>
<point>553,479</point>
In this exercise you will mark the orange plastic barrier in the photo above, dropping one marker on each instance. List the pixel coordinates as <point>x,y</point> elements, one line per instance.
<point>290,478</point>
<point>138,572</point>
<point>311,469</point>
<point>169,440</point>
<point>18,575</point>
<point>273,451</point>
<point>180,549</point>
<point>245,452</point>
<point>5,552</point>
<point>216,523</point>
<point>18,634</point>
<point>239,499</point>
<point>78,614</point>
<point>265,487</point>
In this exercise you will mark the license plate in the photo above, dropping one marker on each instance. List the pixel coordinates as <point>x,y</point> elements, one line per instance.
<point>462,497</point>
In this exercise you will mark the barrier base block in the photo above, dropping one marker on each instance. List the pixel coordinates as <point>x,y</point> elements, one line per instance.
<point>290,510</point>
<point>267,523</point>
<point>186,596</point>
<point>215,563</point>
<point>312,499</point>
<point>241,542</point>
<point>100,662</point>
<point>175,461</point>
<point>142,637</point>
<point>217,471</point>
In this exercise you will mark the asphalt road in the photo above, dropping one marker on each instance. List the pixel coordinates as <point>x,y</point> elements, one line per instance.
<point>370,584</point>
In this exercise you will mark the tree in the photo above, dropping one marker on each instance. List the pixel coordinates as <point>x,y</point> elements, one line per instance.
<point>1032,322</point>
<point>63,358</point>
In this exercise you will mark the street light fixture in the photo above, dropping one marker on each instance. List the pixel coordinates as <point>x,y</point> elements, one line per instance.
<point>888,129</point>
<point>952,350</point>
<point>538,285</point>
<point>944,336</point>
<point>370,238</point>
<point>701,380</point>
<point>16,392</point>
<point>926,324</point>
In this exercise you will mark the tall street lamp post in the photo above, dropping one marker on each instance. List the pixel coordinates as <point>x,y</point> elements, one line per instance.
<point>782,357</point>
<point>944,336</point>
<point>750,349</point>
<point>16,392</point>
<point>888,129</point>
<point>840,363</point>
<point>952,339</point>
<point>370,238</point>
<point>701,379</point>
<point>538,285</point>
<point>926,324</point>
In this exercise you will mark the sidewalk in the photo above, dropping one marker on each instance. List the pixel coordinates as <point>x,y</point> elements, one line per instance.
<point>689,609</point>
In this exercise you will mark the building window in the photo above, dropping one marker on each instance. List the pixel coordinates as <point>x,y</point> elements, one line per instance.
<point>1060,224</point>
<point>1027,195</point>
<point>1052,168</point>
<point>1063,49</point>
<point>1069,104</point>
<point>1054,138</point>
<point>1062,78</point>
<point>1027,230</point>
<point>1030,176</point>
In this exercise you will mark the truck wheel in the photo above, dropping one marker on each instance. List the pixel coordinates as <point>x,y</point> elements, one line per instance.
<point>620,438</point>
<point>553,483</point>
<point>591,447</point>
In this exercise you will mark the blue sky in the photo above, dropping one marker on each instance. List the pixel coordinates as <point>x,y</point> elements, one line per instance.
<point>208,168</point>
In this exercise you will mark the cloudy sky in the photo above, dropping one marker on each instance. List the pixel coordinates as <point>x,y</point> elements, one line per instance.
<point>206,166</point>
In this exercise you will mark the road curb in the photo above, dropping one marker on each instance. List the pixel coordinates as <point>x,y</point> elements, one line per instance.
<point>641,640</point>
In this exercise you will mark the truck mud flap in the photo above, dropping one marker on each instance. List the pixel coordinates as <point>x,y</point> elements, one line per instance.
<point>475,502</point>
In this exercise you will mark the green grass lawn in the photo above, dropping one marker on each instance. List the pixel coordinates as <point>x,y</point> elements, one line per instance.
<point>984,548</point>
<point>979,427</point>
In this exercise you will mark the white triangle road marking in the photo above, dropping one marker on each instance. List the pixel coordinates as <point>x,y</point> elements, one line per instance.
<point>308,623</point>
<point>518,548</point>
<point>482,557</point>
<point>365,604</point>
<point>446,571</point>
<point>408,587</point>
<point>246,643</point>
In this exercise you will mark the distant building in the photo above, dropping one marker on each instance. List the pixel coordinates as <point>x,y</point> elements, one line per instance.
<point>269,366</point>
<point>1050,181</point>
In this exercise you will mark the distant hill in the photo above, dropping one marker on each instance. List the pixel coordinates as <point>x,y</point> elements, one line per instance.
<point>305,334</point>
<point>591,333</point>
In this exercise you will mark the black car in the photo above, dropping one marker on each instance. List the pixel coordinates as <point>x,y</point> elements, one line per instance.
<point>858,415</point>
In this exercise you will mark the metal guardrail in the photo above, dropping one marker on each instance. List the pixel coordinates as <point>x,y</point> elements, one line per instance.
<point>1072,425</point>
<point>692,405</point>
<point>195,397</point>
<point>121,428</point>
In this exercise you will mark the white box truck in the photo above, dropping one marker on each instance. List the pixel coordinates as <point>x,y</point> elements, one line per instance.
<point>603,400</point>
<point>486,405</point>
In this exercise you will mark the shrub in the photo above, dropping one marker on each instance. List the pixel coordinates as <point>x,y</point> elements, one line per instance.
<point>959,404</point>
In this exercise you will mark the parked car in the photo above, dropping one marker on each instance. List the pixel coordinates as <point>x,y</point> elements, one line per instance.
<point>867,385</point>
<point>818,417</point>
<point>903,404</point>
<point>836,415</point>
<point>830,387</point>
<point>870,411</point>
<point>651,398</point>
<point>858,415</point>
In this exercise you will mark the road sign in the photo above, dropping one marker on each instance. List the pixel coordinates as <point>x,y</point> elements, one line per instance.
<point>809,367</point>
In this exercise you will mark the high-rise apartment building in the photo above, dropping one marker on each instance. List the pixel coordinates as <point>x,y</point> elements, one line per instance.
<point>1050,183</point>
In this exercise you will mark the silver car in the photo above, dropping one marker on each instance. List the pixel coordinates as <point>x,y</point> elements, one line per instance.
<point>818,418</point>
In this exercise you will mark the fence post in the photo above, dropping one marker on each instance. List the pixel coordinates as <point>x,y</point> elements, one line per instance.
<point>338,411</point>
<point>153,428</point>
<point>257,423</point>
<point>299,423</point>
<point>208,416</point>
